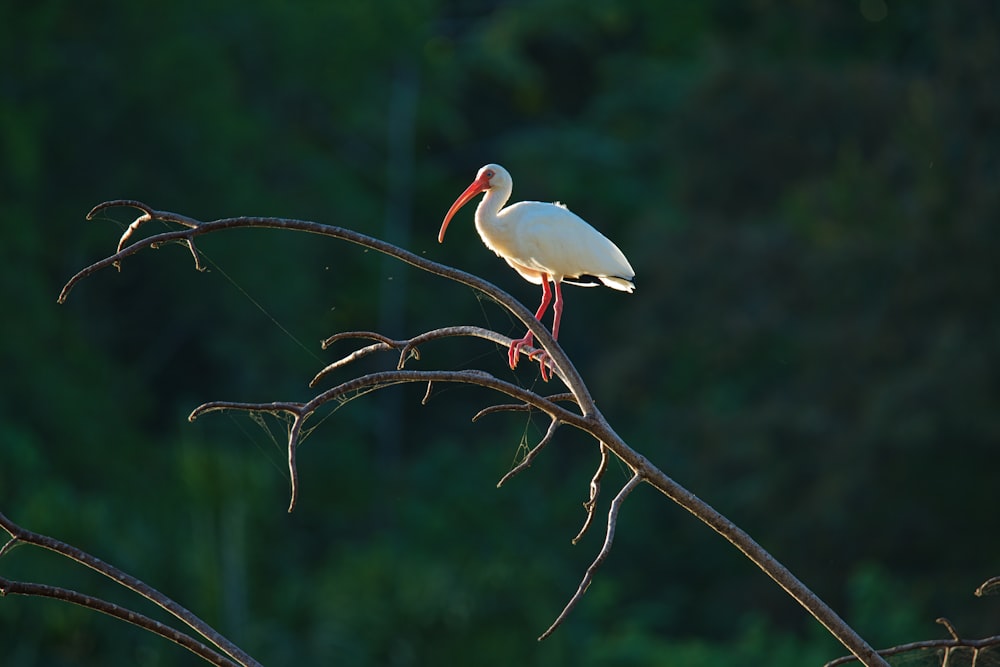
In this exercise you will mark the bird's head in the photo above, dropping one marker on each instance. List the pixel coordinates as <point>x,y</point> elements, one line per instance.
<point>489,177</point>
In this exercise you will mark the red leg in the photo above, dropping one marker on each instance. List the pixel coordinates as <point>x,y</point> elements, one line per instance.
<point>541,356</point>
<point>516,345</point>
<point>557,311</point>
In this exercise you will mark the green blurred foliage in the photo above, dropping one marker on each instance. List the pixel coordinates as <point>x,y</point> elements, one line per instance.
<point>808,192</point>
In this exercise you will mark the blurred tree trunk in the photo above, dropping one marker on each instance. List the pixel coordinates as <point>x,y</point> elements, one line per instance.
<point>403,96</point>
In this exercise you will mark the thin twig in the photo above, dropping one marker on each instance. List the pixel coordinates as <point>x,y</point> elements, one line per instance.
<point>949,627</point>
<point>349,359</point>
<point>595,489</point>
<point>506,407</point>
<point>409,348</point>
<point>8,587</point>
<point>519,407</point>
<point>609,538</point>
<point>11,544</point>
<point>529,458</point>
<point>352,335</point>
<point>427,394</point>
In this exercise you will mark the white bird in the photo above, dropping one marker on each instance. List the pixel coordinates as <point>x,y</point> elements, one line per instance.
<point>542,242</point>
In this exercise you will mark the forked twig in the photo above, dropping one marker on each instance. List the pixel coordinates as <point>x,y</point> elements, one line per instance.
<point>301,412</point>
<point>609,537</point>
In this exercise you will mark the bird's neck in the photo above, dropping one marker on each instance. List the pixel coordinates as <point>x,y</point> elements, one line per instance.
<point>488,210</point>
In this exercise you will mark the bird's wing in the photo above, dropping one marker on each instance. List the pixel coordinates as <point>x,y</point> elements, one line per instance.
<point>554,240</point>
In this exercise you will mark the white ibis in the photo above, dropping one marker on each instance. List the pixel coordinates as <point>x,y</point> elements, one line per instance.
<point>543,242</point>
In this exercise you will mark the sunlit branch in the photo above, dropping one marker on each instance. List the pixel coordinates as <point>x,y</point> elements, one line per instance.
<point>589,419</point>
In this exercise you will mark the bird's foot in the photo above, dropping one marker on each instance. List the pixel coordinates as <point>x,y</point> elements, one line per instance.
<point>541,356</point>
<point>544,360</point>
<point>515,348</point>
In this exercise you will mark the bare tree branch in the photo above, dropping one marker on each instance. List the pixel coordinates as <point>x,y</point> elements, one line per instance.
<point>589,419</point>
<point>20,535</point>
<point>8,587</point>
<point>300,412</point>
<point>609,537</point>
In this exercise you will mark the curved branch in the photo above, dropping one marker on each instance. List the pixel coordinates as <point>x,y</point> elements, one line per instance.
<point>989,587</point>
<point>23,536</point>
<point>8,587</point>
<point>409,347</point>
<point>194,228</point>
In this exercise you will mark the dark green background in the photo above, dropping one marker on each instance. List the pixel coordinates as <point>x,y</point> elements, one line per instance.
<point>808,192</point>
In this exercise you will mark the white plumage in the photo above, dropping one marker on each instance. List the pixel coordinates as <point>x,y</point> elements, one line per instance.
<point>543,242</point>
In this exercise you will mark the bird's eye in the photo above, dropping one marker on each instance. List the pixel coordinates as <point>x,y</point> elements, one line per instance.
<point>489,173</point>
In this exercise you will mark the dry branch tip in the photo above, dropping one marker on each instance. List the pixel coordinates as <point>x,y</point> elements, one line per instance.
<point>989,587</point>
<point>506,407</point>
<point>11,544</point>
<point>949,627</point>
<point>427,394</point>
<point>119,203</point>
<point>595,490</point>
<point>609,538</point>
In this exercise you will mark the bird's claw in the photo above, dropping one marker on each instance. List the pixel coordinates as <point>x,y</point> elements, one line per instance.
<point>514,352</point>
<point>541,356</point>
<point>543,359</point>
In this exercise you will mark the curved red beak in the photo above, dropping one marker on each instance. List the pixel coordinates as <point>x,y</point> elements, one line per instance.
<point>481,184</point>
